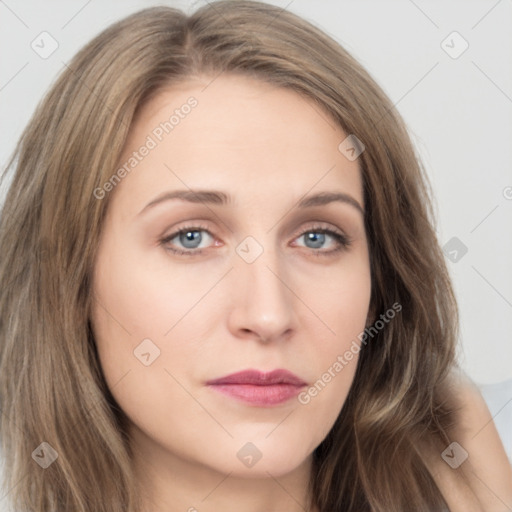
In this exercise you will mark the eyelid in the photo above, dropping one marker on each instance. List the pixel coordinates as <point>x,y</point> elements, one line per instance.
<point>192,226</point>
<point>341,238</point>
<point>318,225</point>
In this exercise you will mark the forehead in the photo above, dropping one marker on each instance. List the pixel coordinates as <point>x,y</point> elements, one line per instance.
<point>253,138</point>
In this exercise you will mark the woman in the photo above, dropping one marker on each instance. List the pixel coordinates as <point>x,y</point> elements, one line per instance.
<point>221,287</point>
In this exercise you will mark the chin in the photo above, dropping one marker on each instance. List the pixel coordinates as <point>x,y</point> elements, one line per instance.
<point>259,457</point>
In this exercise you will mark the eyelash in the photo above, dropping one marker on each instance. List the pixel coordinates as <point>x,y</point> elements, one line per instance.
<point>343,241</point>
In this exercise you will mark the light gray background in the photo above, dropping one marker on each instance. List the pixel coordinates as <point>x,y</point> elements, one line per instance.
<point>458,111</point>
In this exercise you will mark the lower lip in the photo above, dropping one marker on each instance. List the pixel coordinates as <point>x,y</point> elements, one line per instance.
<point>259,395</point>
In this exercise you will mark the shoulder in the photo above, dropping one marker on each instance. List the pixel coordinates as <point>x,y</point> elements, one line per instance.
<point>478,455</point>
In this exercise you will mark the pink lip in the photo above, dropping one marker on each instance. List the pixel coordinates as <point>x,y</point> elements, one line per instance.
<point>258,388</point>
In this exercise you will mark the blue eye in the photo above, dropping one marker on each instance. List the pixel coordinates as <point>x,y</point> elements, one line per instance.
<point>317,238</point>
<point>190,239</point>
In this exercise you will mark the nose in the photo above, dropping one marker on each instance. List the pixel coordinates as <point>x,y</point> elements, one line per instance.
<point>262,300</point>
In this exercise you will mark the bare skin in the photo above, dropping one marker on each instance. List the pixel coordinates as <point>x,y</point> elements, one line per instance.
<point>296,306</point>
<point>488,487</point>
<point>216,313</point>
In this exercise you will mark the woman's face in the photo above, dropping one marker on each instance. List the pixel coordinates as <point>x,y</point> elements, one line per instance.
<point>256,283</point>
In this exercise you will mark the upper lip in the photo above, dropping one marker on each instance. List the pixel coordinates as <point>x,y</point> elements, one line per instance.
<point>258,378</point>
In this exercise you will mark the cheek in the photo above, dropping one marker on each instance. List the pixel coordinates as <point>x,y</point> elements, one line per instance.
<point>144,321</point>
<point>182,309</point>
<point>145,296</point>
<point>339,297</point>
<point>342,307</point>
<point>142,297</point>
<point>135,301</point>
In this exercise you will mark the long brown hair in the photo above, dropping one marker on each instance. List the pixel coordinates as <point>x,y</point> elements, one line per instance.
<point>52,388</point>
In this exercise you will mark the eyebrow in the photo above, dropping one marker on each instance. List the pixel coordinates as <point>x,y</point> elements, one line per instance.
<point>217,197</point>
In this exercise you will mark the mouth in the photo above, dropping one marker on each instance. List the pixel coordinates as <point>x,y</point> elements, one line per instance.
<point>259,388</point>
